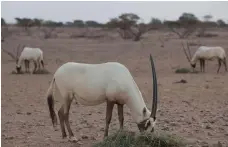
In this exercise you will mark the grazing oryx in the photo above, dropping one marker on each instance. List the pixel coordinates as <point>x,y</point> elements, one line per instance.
<point>94,84</point>
<point>206,53</point>
<point>30,54</point>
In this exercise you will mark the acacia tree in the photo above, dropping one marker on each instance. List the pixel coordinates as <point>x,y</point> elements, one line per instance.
<point>187,22</point>
<point>221,23</point>
<point>128,26</point>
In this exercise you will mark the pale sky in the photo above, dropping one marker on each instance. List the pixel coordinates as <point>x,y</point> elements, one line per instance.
<point>103,11</point>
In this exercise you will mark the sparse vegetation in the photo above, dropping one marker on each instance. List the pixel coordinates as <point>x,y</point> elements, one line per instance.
<point>128,26</point>
<point>185,70</point>
<point>182,70</point>
<point>42,71</point>
<point>128,139</point>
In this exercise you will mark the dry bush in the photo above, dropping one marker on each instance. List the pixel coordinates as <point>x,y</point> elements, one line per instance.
<point>49,32</point>
<point>207,35</point>
<point>129,139</point>
<point>41,71</point>
<point>185,70</point>
<point>89,34</point>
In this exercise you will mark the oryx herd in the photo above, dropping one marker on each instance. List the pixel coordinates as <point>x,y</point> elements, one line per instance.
<point>110,83</point>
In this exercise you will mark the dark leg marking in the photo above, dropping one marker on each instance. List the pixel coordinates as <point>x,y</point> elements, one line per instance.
<point>203,65</point>
<point>120,115</point>
<point>25,62</point>
<point>28,65</point>
<point>42,63</point>
<point>109,109</point>
<point>35,66</point>
<point>61,120</point>
<point>219,62</point>
<point>66,115</point>
<point>38,65</point>
<point>224,62</point>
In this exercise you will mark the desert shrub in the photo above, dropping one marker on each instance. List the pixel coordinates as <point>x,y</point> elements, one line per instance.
<point>42,71</point>
<point>207,35</point>
<point>128,139</point>
<point>185,70</point>
<point>14,72</point>
<point>182,70</point>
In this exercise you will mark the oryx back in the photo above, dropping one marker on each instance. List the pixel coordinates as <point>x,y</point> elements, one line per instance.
<point>92,84</point>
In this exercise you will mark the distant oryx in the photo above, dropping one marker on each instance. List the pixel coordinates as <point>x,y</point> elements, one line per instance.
<point>206,53</point>
<point>30,54</point>
<point>94,84</point>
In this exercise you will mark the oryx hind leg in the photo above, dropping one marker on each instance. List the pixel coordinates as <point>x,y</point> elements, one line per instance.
<point>61,120</point>
<point>67,105</point>
<point>224,62</point>
<point>120,115</point>
<point>203,65</point>
<point>38,62</point>
<point>219,64</point>
<point>109,109</point>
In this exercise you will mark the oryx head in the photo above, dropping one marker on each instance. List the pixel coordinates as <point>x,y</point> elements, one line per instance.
<point>18,66</point>
<point>188,55</point>
<point>148,123</point>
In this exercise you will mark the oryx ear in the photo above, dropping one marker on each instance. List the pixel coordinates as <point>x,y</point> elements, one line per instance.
<point>144,111</point>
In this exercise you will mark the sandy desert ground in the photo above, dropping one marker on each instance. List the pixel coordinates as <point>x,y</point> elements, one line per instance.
<point>196,110</point>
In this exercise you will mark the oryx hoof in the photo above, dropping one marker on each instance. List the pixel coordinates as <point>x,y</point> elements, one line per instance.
<point>73,139</point>
<point>55,128</point>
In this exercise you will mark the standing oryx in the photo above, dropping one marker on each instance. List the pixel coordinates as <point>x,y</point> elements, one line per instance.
<point>206,53</point>
<point>30,54</point>
<point>94,84</point>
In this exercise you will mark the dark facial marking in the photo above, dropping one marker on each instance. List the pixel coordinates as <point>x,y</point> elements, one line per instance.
<point>193,65</point>
<point>142,124</point>
<point>18,69</point>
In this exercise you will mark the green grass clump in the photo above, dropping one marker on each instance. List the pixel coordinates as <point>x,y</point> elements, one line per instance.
<point>185,70</point>
<point>182,70</point>
<point>127,139</point>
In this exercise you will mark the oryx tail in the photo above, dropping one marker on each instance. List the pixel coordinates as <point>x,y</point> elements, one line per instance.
<point>50,101</point>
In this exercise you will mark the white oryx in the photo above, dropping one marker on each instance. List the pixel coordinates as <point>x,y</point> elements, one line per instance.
<point>206,53</point>
<point>30,54</point>
<point>94,84</point>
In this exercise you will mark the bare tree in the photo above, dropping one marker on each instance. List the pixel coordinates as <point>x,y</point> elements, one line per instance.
<point>184,26</point>
<point>48,31</point>
<point>128,26</point>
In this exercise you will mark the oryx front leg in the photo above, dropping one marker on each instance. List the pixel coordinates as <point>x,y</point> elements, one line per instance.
<point>35,66</point>
<point>26,66</point>
<point>109,109</point>
<point>38,65</point>
<point>120,115</point>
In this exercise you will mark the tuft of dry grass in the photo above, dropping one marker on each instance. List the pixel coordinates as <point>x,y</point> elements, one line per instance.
<point>185,70</point>
<point>43,71</point>
<point>128,139</point>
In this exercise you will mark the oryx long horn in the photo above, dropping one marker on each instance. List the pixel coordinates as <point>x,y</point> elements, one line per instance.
<point>155,90</point>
